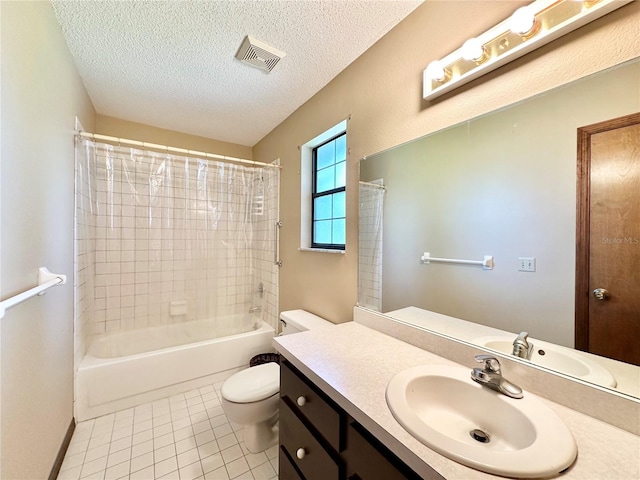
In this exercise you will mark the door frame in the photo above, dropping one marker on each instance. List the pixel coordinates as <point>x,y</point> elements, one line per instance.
<point>583,193</point>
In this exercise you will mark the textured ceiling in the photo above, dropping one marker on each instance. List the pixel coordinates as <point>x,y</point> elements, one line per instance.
<point>172,64</point>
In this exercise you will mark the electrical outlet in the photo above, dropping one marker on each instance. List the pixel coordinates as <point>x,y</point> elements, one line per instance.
<point>526,264</point>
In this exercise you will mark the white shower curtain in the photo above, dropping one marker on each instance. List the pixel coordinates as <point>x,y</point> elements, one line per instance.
<point>371,209</point>
<point>171,238</point>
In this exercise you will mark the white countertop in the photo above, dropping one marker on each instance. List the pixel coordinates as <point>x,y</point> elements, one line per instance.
<point>353,365</point>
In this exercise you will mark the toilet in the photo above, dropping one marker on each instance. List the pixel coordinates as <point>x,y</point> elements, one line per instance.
<point>250,397</point>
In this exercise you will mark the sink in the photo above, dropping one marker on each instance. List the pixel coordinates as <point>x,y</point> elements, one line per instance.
<point>555,357</point>
<point>469,423</point>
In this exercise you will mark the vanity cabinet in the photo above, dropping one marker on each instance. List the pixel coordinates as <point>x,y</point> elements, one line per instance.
<point>320,441</point>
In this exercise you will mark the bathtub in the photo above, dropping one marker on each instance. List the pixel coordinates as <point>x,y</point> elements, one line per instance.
<point>124,369</point>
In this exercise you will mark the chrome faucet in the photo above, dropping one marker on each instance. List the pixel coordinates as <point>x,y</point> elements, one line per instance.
<point>521,347</point>
<point>491,376</point>
<point>255,309</point>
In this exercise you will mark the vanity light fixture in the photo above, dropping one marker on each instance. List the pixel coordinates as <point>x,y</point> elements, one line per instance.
<point>529,27</point>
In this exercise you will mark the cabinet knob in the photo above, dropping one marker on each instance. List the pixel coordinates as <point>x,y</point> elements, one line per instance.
<point>301,401</point>
<point>300,453</point>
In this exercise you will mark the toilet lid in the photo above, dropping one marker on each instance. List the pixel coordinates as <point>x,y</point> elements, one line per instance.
<point>253,384</point>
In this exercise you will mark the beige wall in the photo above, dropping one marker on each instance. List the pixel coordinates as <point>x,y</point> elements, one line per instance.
<point>381,91</point>
<point>41,95</point>
<point>117,127</point>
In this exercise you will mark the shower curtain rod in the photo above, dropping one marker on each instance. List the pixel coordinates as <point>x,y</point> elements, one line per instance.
<point>184,151</point>
<point>371,184</point>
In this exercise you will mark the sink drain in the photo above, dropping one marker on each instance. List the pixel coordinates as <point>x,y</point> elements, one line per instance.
<point>480,436</point>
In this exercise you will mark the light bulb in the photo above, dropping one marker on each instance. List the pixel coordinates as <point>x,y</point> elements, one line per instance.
<point>473,50</point>
<point>522,21</point>
<point>437,72</point>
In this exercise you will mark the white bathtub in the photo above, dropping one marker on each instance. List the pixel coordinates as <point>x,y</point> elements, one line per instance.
<point>106,383</point>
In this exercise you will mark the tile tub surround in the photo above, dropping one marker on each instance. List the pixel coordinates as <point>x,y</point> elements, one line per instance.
<point>185,436</point>
<point>353,365</point>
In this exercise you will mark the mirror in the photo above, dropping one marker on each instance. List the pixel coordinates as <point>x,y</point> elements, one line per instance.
<point>504,185</point>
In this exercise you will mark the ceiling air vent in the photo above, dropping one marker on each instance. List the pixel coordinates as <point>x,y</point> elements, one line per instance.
<point>258,54</point>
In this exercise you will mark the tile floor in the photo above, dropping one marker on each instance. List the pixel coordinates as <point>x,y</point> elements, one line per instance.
<point>184,437</point>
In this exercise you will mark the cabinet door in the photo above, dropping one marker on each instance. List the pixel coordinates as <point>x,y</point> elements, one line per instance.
<point>303,449</point>
<point>368,459</point>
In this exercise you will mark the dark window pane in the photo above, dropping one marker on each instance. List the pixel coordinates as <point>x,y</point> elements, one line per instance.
<point>326,155</point>
<point>322,232</point>
<point>322,207</point>
<point>338,205</point>
<point>341,174</point>
<point>339,236</point>
<point>325,180</point>
<point>341,148</point>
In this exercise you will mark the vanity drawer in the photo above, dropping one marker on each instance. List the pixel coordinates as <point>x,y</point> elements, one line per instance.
<point>313,405</point>
<point>297,441</point>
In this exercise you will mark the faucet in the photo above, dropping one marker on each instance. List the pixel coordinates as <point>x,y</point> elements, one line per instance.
<point>255,309</point>
<point>522,348</point>
<point>491,376</point>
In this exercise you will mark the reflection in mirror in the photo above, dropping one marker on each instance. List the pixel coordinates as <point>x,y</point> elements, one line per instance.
<point>503,185</point>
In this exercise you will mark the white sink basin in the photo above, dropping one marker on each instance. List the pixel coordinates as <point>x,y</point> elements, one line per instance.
<point>555,357</point>
<point>441,406</point>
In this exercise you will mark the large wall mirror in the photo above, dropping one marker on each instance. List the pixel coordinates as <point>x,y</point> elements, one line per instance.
<point>504,185</point>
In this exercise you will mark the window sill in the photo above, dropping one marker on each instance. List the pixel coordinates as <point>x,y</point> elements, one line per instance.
<point>320,250</point>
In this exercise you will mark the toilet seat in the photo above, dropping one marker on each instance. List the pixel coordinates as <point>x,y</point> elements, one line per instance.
<point>253,384</point>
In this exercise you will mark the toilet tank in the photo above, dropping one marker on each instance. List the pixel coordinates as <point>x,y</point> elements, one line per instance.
<point>294,321</point>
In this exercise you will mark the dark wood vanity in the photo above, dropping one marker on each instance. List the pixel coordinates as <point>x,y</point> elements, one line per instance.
<point>319,440</point>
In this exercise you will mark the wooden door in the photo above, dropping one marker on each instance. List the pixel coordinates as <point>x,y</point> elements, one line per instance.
<point>608,239</point>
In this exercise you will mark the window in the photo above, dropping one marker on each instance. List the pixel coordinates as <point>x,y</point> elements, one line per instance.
<point>328,194</point>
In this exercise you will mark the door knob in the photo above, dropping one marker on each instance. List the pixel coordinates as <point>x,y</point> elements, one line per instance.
<point>601,294</point>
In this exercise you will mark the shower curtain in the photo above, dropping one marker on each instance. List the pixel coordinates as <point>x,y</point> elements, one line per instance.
<point>163,239</point>
<point>371,207</point>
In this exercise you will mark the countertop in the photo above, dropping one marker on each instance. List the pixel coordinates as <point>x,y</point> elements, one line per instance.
<point>353,364</point>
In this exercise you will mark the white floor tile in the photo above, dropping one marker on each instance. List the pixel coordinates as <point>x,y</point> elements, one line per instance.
<point>212,463</point>
<point>204,437</point>
<point>188,457</point>
<point>191,472</point>
<point>218,474</point>
<point>118,457</point>
<point>227,441</point>
<point>93,467</point>
<point>208,449</point>
<point>200,427</point>
<point>72,460</point>
<point>144,474</point>
<point>255,459</point>
<point>142,448</point>
<point>141,462</point>
<point>232,453</point>
<point>70,473</point>
<point>142,437</point>
<point>184,437</point>
<point>166,466</point>
<point>162,453</point>
<point>263,472</point>
<point>117,471</point>
<point>120,444</point>
<point>185,444</point>
<point>163,441</point>
<point>237,467</point>
<point>222,430</point>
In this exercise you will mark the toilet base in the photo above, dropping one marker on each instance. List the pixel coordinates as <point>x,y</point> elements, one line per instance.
<point>260,436</point>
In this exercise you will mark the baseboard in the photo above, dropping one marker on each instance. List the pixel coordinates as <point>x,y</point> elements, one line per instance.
<point>55,470</point>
